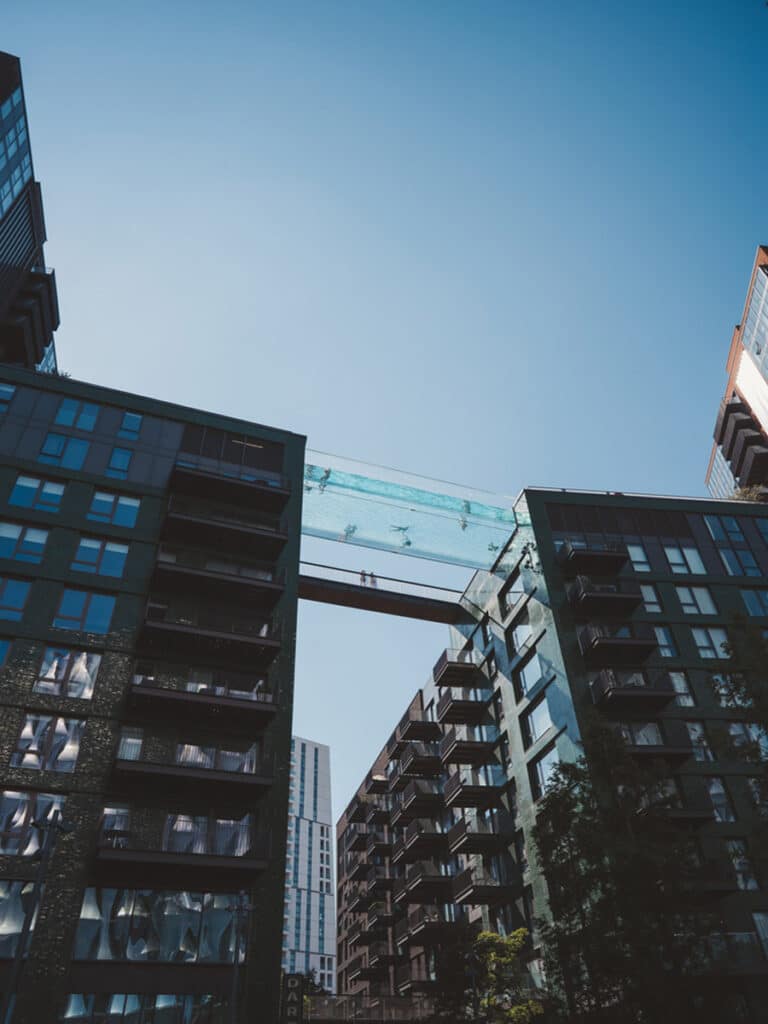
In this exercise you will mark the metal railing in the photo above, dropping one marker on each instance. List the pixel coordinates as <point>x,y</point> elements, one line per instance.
<point>212,621</point>
<point>238,841</point>
<point>212,562</point>
<point>388,584</point>
<point>233,471</point>
<point>451,657</point>
<point>207,689</point>
<point>233,762</point>
<point>227,515</point>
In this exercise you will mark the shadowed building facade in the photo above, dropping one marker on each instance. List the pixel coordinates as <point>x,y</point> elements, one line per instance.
<point>614,603</point>
<point>148,593</point>
<point>29,309</point>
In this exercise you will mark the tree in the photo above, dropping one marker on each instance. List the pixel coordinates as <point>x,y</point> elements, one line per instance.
<point>621,937</point>
<point>482,977</point>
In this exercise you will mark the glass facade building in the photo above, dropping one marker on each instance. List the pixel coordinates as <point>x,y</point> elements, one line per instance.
<point>29,310</point>
<point>739,455</point>
<point>309,925</point>
<point>600,604</point>
<point>147,628</point>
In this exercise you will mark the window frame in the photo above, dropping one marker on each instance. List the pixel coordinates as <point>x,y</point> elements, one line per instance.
<point>37,504</point>
<point>104,544</point>
<point>88,599</point>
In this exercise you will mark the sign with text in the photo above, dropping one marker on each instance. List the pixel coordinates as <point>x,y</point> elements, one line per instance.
<point>293,998</point>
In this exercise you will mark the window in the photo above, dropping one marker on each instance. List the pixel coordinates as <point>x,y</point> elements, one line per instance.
<point>684,559</point>
<point>641,734</point>
<point>83,610</point>
<point>119,461</point>
<point>115,509</point>
<point>511,594</point>
<point>749,734</point>
<point>724,528</point>
<point>521,634</point>
<point>721,802</point>
<point>67,673</point>
<point>651,601</point>
<point>540,770</point>
<point>711,641</point>
<point>23,543</point>
<point>104,557</point>
<point>131,426</point>
<point>739,563</point>
<point>17,899</point>
<point>760,919</point>
<point>758,794</point>
<point>131,743</point>
<point>696,600</point>
<point>666,641</point>
<point>48,744</point>
<point>7,391</point>
<point>535,722</point>
<point>702,751</point>
<point>638,558</point>
<point>729,690</point>
<point>162,926</point>
<point>41,495</point>
<point>13,597</point>
<point>755,601</point>
<point>20,813</point>
<point>683,696</point>
<point>59,450</point>
<point>742,865</point>
<point>80,415</point>
<point>528,676</point>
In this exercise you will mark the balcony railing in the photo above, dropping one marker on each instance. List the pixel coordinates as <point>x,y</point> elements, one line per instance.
<point>463,705</point>
<point>477,886</point>
<point>420,759</point>
<point>237,841</point>
<point>192,569</point>
<point>232,471</point>
<point>631,687</point>
<point>599,558</point>
<point>617,644</point>
<point>237,516</point>
<point>197,762</point>
<point>464,744</point>
<point>355,837</point>
<point>432,918</point>
<point>457,667</point>
<point>211,621</point>
<point>476,836</point>
<point>468,788</point>
<point>613,599</point>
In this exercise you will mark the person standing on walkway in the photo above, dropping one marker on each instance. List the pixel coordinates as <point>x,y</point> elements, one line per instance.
<point>363,578</point>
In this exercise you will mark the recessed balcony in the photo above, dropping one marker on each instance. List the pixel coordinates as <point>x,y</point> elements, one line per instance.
<point>476,836</point>
<point>187,631</point>
<point>646,751</point>
<point>614,600</point>
<point>197,768</point>
<point>478,887</point>
<point>420,759</point>
<point>191,571</point>
<point>604,559</point>
<point>238,853</point>
<point>616,689</point>
<point>215,702</point>
<point>458,668</point>
<point>216,525</point>
<point>467,745</point>
<point>617,644</point>
<point>216,480</point>
<point>463,706</point>
<point>475,788</point>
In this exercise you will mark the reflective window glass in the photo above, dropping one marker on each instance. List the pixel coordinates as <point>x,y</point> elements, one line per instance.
<point>119,462</point>
<point>116,509</point>
<point>80,415</point>
<point>68,673</point>
<point>83,610</point>
<point>58,450</point>
<point>32,492</point>
<point>48,744</point>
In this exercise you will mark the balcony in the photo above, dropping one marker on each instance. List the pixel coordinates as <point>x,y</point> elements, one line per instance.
<point>420,760</point>
<point>375,782</point>
<point>359,901</point>
<point>208,573</point>
<point>237,854</point>
<point>209,632</point>
<point>358,871</point>
<point>355,837</point>
<point>380,954</point>
<point>713,879</point>
<point>412,978</point>
<point>216,480</point>
<point>379,880</point>
<point>424,838</point>
<point>420,797</point>
<point>476,836</point>
<point>475,789</point>
<point>463,706</point>
<point>380,914</point>
<point>603,559</point>
<point>728,408</point>
<point>754,468</point>
<point>631,688</point>
<point>378,844</point>
<point>197,767</point>
<point>431,923</point>
<point>478,887</point>
<point>647,747</point>
<point>377,811</point>
<point>213,524</point>
<point>613,644</point>
<point>730,953</point>
<point>426,882</point>
<point>414,726</point>
<point>614,600</point>
<point>458,668</point>
<point>465,745</point>
<point>357,807</point>
<point>222,700</point>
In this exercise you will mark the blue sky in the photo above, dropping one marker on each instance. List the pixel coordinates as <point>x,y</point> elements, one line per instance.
<point>499,243</point>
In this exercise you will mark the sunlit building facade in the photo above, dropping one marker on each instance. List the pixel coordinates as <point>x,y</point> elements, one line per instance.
<point>309,925</point>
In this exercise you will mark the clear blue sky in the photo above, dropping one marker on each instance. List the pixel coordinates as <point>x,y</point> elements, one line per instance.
<point>499,243</point>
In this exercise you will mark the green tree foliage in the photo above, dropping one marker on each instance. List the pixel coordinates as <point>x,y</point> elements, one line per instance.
<point>622,940</point>
<point>482,977</point>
